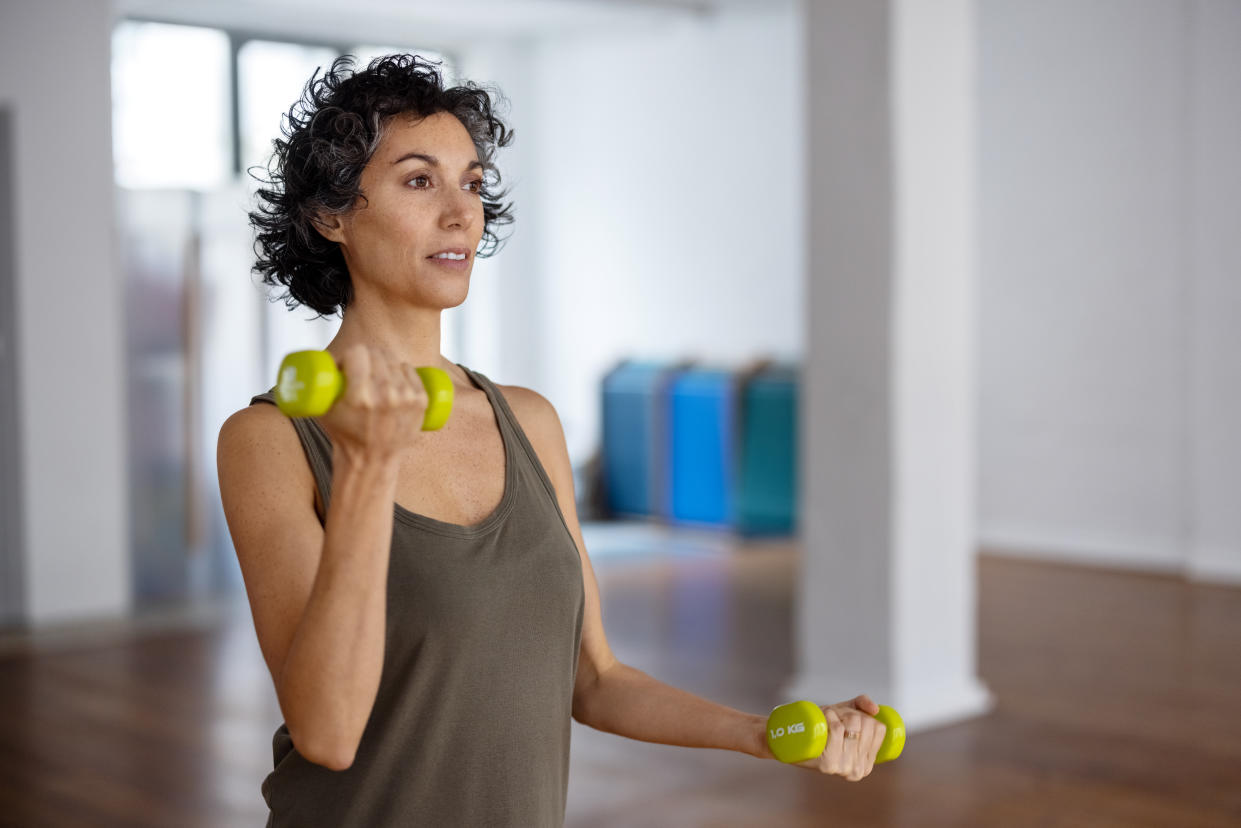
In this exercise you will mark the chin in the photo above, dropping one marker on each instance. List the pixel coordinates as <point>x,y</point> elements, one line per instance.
<point>454,298</point>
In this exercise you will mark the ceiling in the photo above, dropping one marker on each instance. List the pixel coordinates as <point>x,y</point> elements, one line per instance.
<point>431,22</point>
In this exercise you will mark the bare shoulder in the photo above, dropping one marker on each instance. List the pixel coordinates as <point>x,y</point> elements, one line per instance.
<point>537,417</point>
<point>526,398</point>
<point>253,421</point>
<point>259,445</point>
<point>259,427</point>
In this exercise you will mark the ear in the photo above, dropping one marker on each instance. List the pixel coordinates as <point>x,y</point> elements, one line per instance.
<point>329,225</point>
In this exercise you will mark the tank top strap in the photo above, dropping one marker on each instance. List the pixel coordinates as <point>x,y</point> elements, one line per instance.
<point>317,447</point>
<point>514,433</point>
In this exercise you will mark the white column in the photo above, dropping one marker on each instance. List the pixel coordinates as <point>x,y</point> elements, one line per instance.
<point>1215,260</point>
<point>887,591</point>
<point>70,319</point>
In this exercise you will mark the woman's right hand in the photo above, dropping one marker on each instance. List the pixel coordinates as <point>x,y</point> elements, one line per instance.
<point>383,404</point>
<point>854,739</point>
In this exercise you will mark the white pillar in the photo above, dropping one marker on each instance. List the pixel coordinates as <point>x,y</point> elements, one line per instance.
<point>1215,291</point>
<point>69,337</point>
<point>886,601</point>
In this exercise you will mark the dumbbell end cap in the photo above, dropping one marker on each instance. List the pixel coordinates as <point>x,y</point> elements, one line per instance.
<point>797,731</point>
<point>894,739</point>
<point>308,384</point>
<point>439,396</point>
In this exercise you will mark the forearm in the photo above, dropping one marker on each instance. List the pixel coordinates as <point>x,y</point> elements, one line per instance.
<point>628,702</point>
<point>331,672</point>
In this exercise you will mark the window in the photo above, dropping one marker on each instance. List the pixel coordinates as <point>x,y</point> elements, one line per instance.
<point>171,124</point>
<point>270,78</point>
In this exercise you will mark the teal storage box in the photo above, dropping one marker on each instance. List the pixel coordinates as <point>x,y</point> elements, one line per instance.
<point>701,447</point>
<point>767,477</point>
<point>632,459</point>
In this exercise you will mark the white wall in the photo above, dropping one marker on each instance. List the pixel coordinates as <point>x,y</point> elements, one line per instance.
<point>55,60</point>
<point>1107,195</point>
<point>671,203</point>
<point>502,319</point>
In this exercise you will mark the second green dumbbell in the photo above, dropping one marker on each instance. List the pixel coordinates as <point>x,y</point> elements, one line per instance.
<point>797,731</point>
<point>310,382</point>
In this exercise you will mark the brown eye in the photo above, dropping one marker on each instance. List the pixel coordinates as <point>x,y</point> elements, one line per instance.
<point>475,186</point>
<point>425,179</point>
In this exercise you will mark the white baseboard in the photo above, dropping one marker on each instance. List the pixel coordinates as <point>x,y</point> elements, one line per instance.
<point>1216,566</point>
<point>1205,565</point>
<point>1120,553</point>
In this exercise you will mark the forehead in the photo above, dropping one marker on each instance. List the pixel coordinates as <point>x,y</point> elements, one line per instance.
<point>441,135</point>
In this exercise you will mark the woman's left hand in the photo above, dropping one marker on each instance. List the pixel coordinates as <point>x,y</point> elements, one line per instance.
<point>853,739</point>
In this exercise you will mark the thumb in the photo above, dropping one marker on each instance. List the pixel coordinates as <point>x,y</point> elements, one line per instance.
<point>866,704</point>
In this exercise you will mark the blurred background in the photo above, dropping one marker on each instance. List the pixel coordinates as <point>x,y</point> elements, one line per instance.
<point>948,289</point>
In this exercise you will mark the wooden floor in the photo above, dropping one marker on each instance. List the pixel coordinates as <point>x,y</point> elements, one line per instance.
<point>1118,704</point>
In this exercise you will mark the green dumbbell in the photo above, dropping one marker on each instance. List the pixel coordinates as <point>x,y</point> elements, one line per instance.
<point>797,731</point>
<point>310,382</point>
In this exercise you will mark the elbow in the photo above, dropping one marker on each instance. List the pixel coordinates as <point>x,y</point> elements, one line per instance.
<point>579,713</point>
<point>341,760</point>
<point>321,734</point>
<point>581,706</point>
<point>586,693</point>
<point>333,754</point>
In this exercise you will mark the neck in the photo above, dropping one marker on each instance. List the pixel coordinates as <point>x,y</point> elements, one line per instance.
<point>408,334</point>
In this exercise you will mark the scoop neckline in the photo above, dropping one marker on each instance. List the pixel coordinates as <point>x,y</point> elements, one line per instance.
<point>444,527</point>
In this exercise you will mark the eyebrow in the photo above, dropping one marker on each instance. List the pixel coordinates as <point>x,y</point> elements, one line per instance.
<point>432,160</point>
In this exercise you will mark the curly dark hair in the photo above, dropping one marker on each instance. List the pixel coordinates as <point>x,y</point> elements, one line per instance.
<point>330,134</point>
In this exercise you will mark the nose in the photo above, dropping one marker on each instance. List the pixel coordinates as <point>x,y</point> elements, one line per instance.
<point>458,209</point>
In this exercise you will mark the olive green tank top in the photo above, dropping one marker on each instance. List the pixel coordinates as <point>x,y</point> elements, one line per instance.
<point>471,723</point>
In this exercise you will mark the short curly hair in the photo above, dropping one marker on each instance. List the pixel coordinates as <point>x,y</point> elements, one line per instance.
<point>330,134</point>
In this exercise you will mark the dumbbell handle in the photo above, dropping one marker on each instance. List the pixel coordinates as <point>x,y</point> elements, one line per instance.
<point>797,731</point>
<point>310,382</point>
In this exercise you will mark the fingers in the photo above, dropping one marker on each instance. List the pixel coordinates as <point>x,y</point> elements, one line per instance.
<point>378,380</point>
<point>413,387</point>
<point>356,364</point>
<point>853,761</point>
<point>396,380</point>
<point>402,383</point>
<point>865,704</point>
<point>832,760</point>
<point>853,743</point>
<point>878,731</point>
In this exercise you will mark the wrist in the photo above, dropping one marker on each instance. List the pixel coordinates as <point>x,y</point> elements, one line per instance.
<point>757,736</point>
<point>379,467</point>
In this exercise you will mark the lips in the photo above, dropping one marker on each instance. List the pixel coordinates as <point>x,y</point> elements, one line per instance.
<point>451,254</point>
<point>454,259</point>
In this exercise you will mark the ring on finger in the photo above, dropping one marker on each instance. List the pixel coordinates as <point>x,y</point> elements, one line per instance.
<point>852,734</point>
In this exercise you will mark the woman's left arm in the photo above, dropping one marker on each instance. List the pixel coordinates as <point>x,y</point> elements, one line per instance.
<point>628,702</point>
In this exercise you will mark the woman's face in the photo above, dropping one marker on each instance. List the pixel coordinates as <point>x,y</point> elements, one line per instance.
<point>413,239</point>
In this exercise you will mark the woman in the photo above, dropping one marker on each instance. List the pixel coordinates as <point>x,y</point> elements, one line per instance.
<point>424,600</point>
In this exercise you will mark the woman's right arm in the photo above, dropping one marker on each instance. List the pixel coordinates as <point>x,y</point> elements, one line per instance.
<point>318,594</point>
